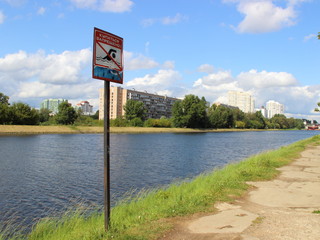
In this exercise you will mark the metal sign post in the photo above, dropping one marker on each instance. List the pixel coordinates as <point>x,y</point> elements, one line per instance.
<point>106,155</point>
<point>107,65</point>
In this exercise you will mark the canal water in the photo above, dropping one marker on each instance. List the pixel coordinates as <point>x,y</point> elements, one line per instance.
<point>42,175</point>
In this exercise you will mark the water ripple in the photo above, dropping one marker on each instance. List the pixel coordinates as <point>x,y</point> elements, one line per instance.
<point>43,175</point>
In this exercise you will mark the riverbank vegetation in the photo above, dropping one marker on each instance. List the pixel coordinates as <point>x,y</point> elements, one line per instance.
<point>147,215</point>
<point>191,112</point>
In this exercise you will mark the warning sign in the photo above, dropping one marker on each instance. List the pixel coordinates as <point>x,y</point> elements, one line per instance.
<point>107,56</point>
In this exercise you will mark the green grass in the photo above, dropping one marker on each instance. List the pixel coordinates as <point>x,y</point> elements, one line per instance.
<point>144,216</point>
<point>316,211</point>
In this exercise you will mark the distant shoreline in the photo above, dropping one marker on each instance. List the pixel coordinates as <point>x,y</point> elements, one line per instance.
<point>26,130</point>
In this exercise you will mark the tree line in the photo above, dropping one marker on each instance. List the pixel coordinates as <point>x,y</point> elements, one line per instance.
<point>191,112</point>
<point>22,114</point>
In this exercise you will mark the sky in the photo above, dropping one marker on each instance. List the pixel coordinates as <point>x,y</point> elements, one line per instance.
<point>268,48</point>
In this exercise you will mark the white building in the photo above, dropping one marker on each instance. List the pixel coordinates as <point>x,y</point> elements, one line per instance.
<point>52,104</point>
<point>273,108</point>
<point>85,107</point>
<point>244,101</point>
<point>263,111</point>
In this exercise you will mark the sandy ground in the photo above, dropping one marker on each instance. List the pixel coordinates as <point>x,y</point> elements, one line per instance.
<point>281,209</point>
<point>24,129</point>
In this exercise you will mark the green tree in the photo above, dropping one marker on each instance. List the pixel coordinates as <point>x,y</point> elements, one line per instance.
<point>96,115</point>
<point>4,99</point>
<point>136,122</point>
<point>66,114</point>
<point>318,108</point>
<point>220,117</point>
<point>191,112</point>
<point>23,114</point>
<point>255,120</point>
<point>44,115</point>
<point>280,121</point>
<point>240,124</point>
<point>238,115</point>
<point>4,109</point>
<point>134,109</point>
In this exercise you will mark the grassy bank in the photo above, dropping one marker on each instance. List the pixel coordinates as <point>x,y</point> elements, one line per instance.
<point>24,129</point>
<point>146,216</point>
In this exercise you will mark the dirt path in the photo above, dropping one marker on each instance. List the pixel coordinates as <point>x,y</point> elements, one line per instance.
<point>281,209</point>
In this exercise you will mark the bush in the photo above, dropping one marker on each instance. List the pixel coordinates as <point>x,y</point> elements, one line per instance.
<point>240,124</point>
<point>136,122</point>
<point>84,121</point>
<point>119,122</point>
<point>162,122</point>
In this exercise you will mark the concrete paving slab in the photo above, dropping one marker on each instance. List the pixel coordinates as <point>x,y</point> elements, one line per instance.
<point>229,221</point>
<point>301,175</point>
<point>226,206</point>
<point>309,163</point>
<point>281,197</point>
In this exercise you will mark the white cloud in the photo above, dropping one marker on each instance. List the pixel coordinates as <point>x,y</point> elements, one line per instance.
<point>168,65</point>
<point>39,75</point>
<point>264,79</point>
<point>262,16</point>
<point>33,77</point>
<point>148,22</point>
<point>206,68</point>
<point>15,3</point>
<point>264,86</point>
<point>116,5</point>
<point>165,20</point>
<point>53,68</point>
<point>105,5</point>
<point>138,61</point>
<point>214,86</point>
<point>162,78</point>
<point>85,3</point>
<point>65,67</point>
<point>2,17</point>
<point>48,90</point>
<point>41,11</point>
<point>165,82</point>
<point>310,36</point>
<point>215,79</point>
<point>174,20</point>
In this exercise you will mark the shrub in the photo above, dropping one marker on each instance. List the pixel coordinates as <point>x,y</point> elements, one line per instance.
<point>119,122</point>
<point>162,122</point>
<point>136,122</point>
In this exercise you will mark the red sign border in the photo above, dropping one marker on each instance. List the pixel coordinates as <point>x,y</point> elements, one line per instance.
<point>95,41</point>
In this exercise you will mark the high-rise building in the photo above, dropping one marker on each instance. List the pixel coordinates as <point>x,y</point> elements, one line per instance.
<point>273,108</point>
<point>244,101</point>
<point>157,106</point>
<point>263,111</point>
<point>85,107</point>
<point>52,104</point>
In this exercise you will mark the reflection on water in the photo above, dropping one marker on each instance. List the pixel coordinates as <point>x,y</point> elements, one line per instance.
<point>44,174</point>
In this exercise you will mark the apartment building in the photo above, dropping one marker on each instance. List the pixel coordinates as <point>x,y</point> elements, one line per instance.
<point>273,108</point>
<point>263,111</point>
<point>52,104</point>
<point>156,105</point>
<point>244,101</point>
<point>85,108</point>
